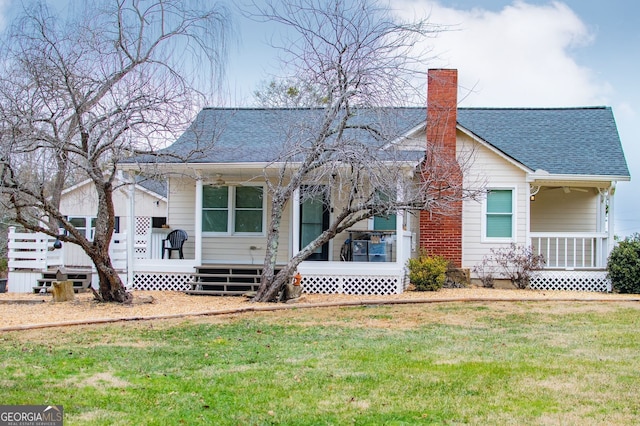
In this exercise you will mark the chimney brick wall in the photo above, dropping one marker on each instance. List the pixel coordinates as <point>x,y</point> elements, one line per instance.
<point>441,233</point>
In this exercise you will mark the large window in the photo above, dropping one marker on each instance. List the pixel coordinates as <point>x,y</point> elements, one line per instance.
<point>233,210</point>
<point>499,216</point>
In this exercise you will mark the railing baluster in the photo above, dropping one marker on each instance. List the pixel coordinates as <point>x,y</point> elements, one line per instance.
<point>592,249</point>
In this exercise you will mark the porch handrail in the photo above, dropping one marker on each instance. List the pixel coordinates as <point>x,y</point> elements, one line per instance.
<point>571,250</point>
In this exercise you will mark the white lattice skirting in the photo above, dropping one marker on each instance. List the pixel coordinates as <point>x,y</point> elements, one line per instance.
<point>157,281</point>
<point>350,284</point>
<point>571,280</point>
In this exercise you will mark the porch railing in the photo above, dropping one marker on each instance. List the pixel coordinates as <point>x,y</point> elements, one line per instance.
<point>28,250</point>
<point>583,250</point>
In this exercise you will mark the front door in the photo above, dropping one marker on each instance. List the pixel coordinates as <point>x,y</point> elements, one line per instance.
<point>314,219</point>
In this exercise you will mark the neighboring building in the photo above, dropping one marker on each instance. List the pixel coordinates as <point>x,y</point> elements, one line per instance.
<point>79,204</point>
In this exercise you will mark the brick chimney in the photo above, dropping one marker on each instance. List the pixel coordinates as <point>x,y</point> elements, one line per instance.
<point>440,231</point>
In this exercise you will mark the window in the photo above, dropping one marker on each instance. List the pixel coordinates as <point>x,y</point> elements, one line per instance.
<point>215,209</point>
<point>240,209</point>
<point>248,214</point>
<point>499,217</point>
<point>158,222</point>
<point>80,223</point>
<point>384,223</point>
<point>87,225</point>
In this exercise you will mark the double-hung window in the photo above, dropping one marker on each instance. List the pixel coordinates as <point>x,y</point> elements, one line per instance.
<point>499,214</point>
<point>233,209</point>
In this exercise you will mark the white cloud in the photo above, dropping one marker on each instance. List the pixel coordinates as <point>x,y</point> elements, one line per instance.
<point>518,56</point>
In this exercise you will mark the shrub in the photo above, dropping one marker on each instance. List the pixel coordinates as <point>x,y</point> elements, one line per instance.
<point>485,270</point>
<point>515,263</point>
<point>428,273</point>
<point>623,266</point>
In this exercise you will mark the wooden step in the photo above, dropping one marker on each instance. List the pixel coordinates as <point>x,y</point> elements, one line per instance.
<point>81,281</point>
<point>225,280</point>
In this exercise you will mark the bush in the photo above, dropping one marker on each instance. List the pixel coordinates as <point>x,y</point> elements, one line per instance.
<point>485,270</point>
<point>623,266</point>
<point>4,267</point>
<point>515,263</point>
<point>428,273</point>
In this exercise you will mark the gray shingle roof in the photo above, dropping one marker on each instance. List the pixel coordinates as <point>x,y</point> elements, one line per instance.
<point>157,186</point>
<point>248,135</point>
<point>581,141</point>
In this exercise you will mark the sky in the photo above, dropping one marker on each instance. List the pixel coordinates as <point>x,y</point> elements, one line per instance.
<point>509,53</point>
<point>532,53</point>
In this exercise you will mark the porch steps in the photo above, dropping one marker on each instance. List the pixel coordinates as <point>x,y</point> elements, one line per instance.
<point>81,280</point>
<point>225,280</point>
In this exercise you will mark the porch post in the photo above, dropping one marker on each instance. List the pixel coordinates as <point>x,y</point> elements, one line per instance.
<point>400,252</point>
<point>610,242</point>
<point>131,232</point>
<point>198,222</point>
<point>399,228</point>
<point>295,223</point>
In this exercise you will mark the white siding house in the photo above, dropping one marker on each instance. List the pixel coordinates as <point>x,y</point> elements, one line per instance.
<point>548,175</point>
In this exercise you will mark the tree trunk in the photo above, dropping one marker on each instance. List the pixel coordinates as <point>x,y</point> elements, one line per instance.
<point>59,179</point>
<point>268,292</point>
<point>111,287</point>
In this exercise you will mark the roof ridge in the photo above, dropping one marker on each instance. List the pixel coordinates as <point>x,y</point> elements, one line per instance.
<point>300,108</point>
<point>537,108</point>
<point>587,107</point>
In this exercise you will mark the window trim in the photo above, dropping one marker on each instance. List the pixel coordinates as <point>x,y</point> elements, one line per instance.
<point>231,216</point>
<point>483,226</point>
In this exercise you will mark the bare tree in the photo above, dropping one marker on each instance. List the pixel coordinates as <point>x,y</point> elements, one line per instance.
<point>360,63</point>
<point>81,92</point>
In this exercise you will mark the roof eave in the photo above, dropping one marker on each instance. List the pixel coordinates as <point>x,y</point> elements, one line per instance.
<point>543,176</point>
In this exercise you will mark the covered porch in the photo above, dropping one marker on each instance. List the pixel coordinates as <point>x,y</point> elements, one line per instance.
<point>569,224</point>
<point>380,269</point>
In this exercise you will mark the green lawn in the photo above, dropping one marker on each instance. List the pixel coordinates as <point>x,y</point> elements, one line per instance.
<point>500,363</point>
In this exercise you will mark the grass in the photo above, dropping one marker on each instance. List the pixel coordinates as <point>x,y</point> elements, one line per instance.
<point>526,363</point>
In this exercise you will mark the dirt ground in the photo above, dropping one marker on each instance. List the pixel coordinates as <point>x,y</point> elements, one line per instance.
<point>24,311</point>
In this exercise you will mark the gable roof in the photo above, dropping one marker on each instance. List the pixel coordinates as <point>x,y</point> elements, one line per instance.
<point>572,141</point>
<point>155,188</point>
<point>567,141</point>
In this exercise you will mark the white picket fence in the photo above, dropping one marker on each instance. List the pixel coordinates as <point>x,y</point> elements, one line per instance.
<point>31,253</point>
